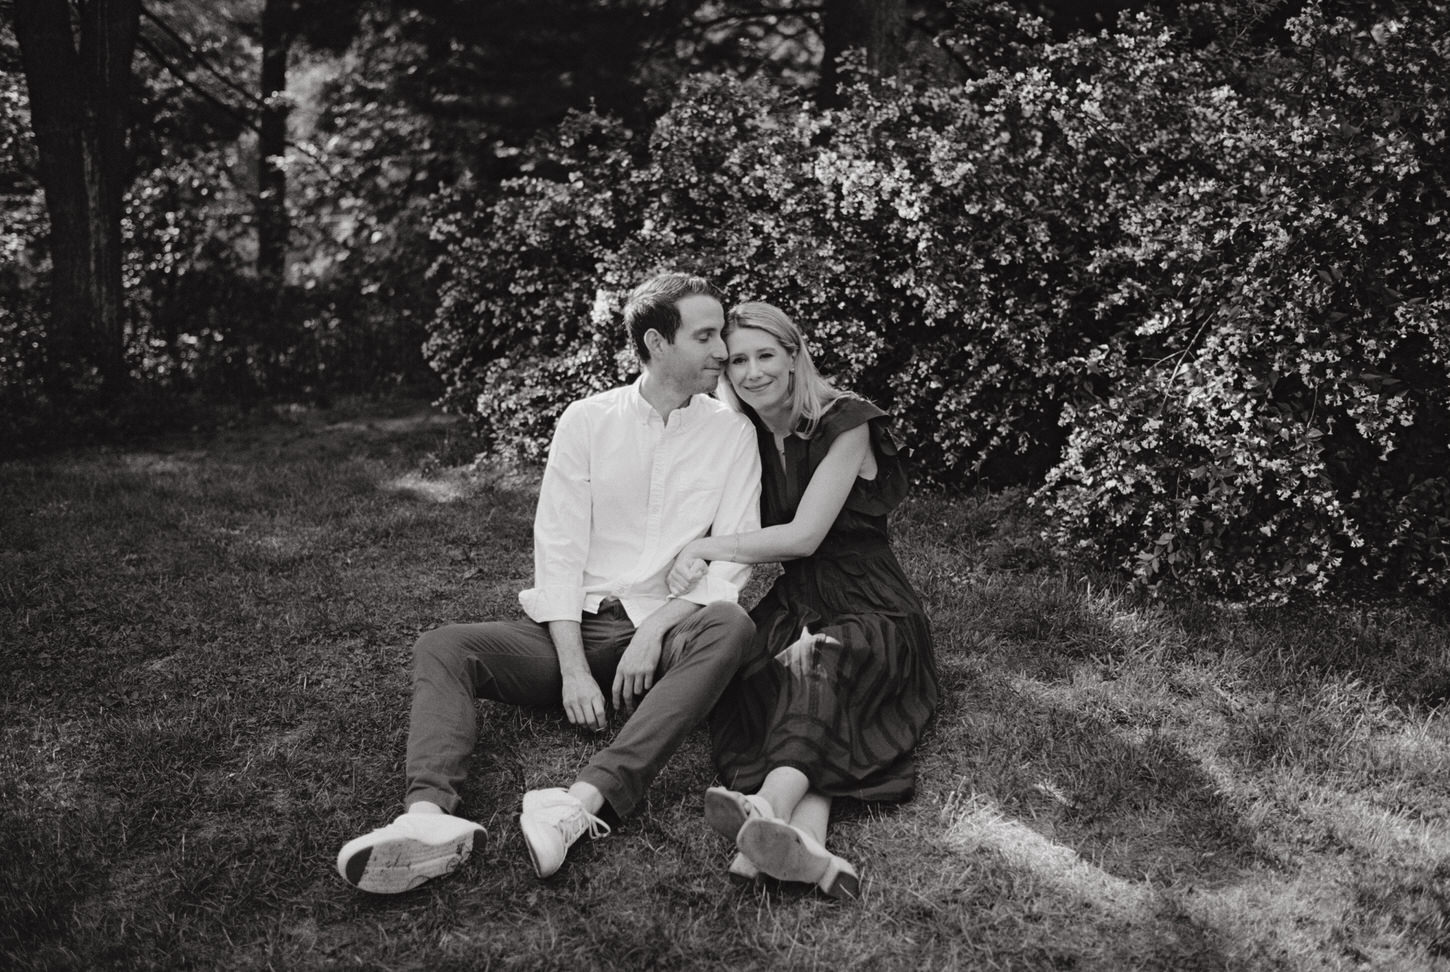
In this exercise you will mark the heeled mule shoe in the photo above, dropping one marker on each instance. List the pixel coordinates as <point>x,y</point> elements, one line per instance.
<point>726,810</point>
<point>790,854</point>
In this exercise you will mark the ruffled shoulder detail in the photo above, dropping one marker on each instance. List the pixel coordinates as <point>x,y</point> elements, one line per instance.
<point>873,497</point>
<point>844,414</point>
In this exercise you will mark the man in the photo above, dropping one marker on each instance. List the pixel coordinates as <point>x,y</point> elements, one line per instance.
<point>633,474</point>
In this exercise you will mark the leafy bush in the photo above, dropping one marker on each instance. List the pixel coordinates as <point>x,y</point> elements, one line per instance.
<point>200,323</point>
<point>516,285</point>
<point>1277,417</point>
<point>24,280</point>
<point>23,406</point>
<point>348,318</point>
<point>1196,292</point>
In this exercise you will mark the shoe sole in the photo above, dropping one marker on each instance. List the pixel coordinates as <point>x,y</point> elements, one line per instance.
<point>395,866</point>
<point>780,851</point>
<point>530,836</point>
<point>742,873</point>
<point>777,849</point>
<point>723,813</point>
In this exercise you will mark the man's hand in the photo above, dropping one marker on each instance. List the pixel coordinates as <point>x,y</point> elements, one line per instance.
<point>636,671</point>
<point>800,655</point>
<point>583,701</point>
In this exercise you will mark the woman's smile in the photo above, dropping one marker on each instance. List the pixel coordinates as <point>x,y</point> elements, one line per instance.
<point>759,368</point>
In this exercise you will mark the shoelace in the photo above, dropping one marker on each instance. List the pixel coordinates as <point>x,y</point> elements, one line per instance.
<point>575,820</point>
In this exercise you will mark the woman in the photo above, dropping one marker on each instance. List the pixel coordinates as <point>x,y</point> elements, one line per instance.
<point>843,682</point>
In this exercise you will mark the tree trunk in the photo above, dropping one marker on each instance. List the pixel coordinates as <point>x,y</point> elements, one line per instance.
<point>876,26</point>
<point>273,226</point>
<point>78,79</point>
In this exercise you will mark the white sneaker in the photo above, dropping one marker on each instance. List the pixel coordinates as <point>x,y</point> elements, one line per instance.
<point>551,821</point>
<point>407,852</point>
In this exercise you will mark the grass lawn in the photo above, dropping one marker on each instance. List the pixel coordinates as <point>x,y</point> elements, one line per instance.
<point>203,693</point>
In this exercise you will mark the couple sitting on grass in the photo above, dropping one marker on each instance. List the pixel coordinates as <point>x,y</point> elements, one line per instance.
<point>650,510</point>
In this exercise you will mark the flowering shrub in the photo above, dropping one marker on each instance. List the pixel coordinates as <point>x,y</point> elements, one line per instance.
<point>1276,419</point>
<point>1197,293</point>
<point>513,334</point>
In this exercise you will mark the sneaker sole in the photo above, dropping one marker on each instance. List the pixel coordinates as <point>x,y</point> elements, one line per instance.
<point>395,866</point>
<point>541,835</point>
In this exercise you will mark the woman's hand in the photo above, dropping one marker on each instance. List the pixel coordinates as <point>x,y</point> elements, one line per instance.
<point>686,571</point>
<point>800,656</point>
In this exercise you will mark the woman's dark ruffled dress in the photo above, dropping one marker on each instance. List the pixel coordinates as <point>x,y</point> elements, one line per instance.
<point>852,727</point>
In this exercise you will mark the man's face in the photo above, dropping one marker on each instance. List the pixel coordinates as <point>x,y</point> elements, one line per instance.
<point>693,361</point>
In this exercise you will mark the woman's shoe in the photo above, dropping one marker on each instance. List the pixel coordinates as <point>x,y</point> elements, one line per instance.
<point>741,871</point>
<point>726,810</point>
<point>840,881</point>
<point>790,854</point>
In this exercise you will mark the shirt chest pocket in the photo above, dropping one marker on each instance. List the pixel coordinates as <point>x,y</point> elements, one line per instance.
<point>697,501</point>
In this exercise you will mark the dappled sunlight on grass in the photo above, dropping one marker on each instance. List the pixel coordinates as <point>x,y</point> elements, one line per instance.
<point>432,489</point>
<point>1419,750</point>
<point>161,465</point>
<point>974,823</point>
<point>1290,917</point>
<point>1274,784</point>
<point>204,684</point>
<point>403,425</point>
<point>1402,833</point>
<point>1277,920</point>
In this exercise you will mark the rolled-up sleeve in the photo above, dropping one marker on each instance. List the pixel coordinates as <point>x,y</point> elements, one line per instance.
<point>738,512</point>
<point>561,524</point>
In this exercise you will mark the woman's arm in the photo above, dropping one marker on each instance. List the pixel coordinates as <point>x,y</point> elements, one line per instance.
<point>820,505</point>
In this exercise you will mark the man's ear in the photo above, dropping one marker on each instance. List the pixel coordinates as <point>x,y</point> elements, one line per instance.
<point>654,340</point>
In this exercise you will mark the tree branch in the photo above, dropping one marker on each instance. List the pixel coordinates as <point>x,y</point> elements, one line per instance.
<point>692,26</point>
<point>231,110</point>
<point>939,44</point>
<point>761,13</point>
<point>196,55</point>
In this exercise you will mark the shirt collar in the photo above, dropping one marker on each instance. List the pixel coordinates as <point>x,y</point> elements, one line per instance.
<point>641,409</point>
<point>638,407</point>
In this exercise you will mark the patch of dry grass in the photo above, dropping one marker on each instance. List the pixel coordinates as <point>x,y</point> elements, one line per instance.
<point>203,689</point>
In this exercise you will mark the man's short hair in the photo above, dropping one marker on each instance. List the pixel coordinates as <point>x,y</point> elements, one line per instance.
<point>654,305</point>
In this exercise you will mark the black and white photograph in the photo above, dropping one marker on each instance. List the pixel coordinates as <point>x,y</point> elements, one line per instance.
<point>921,485</point>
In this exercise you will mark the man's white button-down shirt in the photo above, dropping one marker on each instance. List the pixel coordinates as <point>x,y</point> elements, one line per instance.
<point>623,492</point>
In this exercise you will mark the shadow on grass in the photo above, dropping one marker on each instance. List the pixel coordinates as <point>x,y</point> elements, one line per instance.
<point>1139,810</point>
<point>204,687</point>
<point>1400,651</point>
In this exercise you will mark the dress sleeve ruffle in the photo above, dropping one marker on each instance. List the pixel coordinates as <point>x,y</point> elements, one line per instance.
<point>873,497</point>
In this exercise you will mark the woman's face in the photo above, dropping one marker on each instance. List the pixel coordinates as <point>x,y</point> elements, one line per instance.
<point>758,368</point>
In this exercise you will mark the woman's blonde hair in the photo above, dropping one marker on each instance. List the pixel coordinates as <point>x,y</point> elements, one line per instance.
<point>810,394</point>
